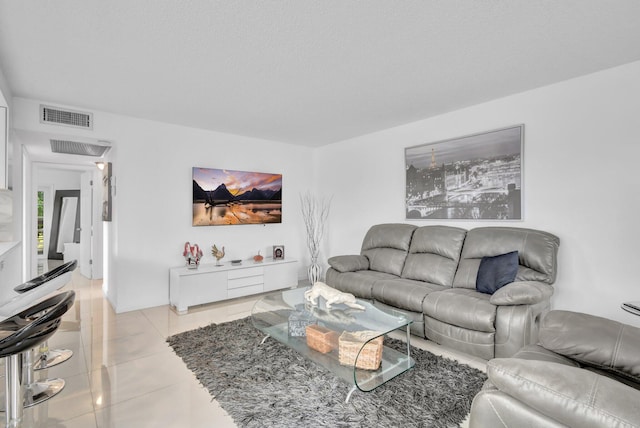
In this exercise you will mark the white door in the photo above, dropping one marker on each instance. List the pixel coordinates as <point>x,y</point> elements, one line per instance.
<point>86,224</point>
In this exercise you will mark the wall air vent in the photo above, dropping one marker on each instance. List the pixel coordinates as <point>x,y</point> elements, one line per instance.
<point>58,116</point>
<point>77,148</point>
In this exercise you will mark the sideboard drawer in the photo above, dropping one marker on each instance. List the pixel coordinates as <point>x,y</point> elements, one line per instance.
<point>245,281</point>
<point>245,291</point>
<point>241,273</point>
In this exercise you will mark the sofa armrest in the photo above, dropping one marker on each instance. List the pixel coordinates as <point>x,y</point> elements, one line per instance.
<point>494,408</point>
<point>522,293</point>
<point>573,396</point>
<point>351,263</point>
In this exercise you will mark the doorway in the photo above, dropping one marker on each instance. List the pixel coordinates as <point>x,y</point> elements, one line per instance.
<point>65,225</point>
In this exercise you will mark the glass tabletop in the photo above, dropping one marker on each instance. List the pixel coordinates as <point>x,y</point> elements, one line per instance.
<point>348,342</point>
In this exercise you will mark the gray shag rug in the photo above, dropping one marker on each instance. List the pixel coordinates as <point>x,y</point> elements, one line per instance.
<point>271,385</point>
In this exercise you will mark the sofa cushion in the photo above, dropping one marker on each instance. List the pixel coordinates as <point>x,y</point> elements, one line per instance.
<point>359,283</point>
<point>350,263</point>
<point>417,325</point>
<point>570,395</point>
<point>386,260</point>
<point>434,254</point>
<point>461,307</point>
<point>537,252</point>
<point>496,272</point>
<point>386,247</point>
<point>403,293</point>
<point>493,408</point>
<point>594,341</point>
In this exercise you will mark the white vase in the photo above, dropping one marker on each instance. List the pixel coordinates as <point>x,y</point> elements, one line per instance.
<point>313,272</point>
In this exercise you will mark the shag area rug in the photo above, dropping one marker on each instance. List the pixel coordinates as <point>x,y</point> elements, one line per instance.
<point>271,385</point>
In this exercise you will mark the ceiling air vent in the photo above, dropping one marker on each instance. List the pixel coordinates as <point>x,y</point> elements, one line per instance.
<point>77,148</point>
<point>59,116</point>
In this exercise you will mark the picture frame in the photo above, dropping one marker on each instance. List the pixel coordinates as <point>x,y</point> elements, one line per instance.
<point>223,197</point>
<point>278,252</point>
<point>107,199</point>
<point>474,177</point>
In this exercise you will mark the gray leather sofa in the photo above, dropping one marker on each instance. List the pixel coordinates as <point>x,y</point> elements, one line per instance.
<point>585,372</point>
<point>430,273</point>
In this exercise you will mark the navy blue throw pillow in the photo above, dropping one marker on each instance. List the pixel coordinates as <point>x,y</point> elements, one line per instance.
<point>496,272</point>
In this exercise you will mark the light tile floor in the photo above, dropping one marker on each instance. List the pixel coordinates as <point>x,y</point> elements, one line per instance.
<point>123,374</point>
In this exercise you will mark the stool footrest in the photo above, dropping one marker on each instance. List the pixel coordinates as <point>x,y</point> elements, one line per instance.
<point>52,358</point>
<point>40,392</point>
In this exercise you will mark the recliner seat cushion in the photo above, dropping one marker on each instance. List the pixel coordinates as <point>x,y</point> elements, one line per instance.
<point>359,283</point>
<point>403,293</point>
<point>461,307</point>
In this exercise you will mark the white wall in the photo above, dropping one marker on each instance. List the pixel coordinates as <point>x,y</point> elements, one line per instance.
<point>580,161</point>
<point>59,179</point>
<point>5,93</point>
<point>581,156</point>
<point>152,210</point>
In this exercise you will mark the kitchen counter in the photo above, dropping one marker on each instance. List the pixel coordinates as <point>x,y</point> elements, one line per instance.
<point>5,247</point>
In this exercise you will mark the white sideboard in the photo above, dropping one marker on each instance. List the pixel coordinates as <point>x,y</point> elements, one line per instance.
<point>211,283</point>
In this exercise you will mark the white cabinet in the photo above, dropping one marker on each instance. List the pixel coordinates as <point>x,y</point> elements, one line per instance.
<point>10,269</point>
<point>274,277</point>
<point>211,283</point>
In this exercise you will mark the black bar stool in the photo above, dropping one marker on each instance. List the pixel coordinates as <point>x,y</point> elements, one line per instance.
<point>29,293</point>
<point>19,334</point>
<point>47,277</point>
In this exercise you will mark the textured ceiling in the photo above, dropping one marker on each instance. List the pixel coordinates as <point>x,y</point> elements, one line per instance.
<point>304,72</point>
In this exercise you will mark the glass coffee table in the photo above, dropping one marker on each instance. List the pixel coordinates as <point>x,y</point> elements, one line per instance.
<point>348,342</point>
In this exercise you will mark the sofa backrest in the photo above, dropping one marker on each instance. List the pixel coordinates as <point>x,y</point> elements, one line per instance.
<point>537,253</point>
<point>386,246</point>
<point>434,254</point>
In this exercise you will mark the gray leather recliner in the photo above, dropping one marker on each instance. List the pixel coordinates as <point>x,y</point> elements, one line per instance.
<point>496,325</point>
<point>429,273</point>
<point>585,372</point>
<point>399,265</point>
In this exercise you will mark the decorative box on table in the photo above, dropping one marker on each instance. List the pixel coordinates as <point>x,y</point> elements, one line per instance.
<point>298,322</point>
<point>351,347</point>
<point>321,338</point>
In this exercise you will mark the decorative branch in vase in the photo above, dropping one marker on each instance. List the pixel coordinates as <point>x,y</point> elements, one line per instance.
<point>315,212</point>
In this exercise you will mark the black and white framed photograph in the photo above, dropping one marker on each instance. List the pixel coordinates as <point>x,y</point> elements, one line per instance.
<point>477,176</point>
<point>278,252</point>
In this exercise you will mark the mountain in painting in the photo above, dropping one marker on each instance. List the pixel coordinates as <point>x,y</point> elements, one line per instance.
<point>253,195</point>
<point>221,194</point>
<point>261,195</point>
<point>198,192</point>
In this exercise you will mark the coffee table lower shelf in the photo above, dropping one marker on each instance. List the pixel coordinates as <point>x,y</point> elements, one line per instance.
<point>393,362</point>
<point>271,319</point>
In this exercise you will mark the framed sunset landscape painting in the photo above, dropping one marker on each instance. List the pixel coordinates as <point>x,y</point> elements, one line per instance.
<point>227,197</point>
